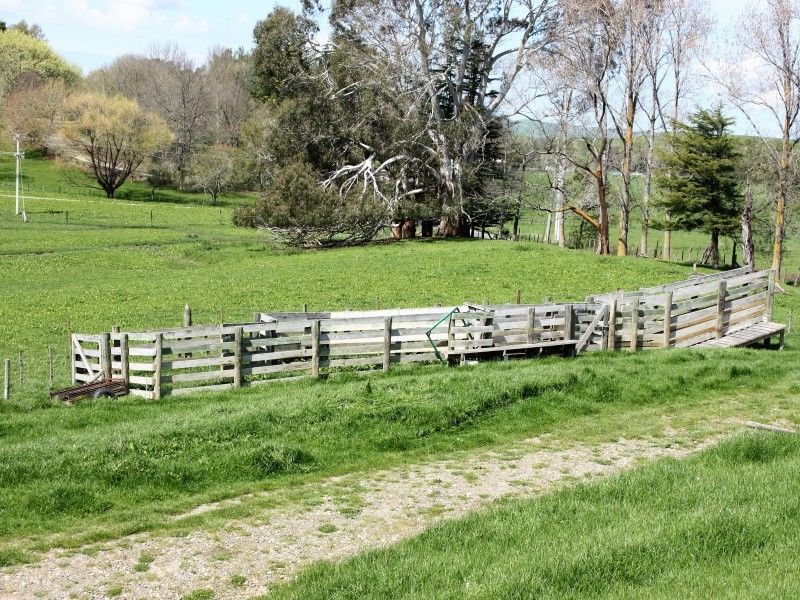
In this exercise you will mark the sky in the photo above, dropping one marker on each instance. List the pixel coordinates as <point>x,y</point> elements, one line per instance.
<point>91,33</point>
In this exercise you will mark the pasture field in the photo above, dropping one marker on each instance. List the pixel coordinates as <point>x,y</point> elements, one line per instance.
<point>108,266</point>
<point>103,469</point>
<point>721,524</point>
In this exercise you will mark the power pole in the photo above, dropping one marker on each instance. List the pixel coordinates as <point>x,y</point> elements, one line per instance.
<point>18,156</point>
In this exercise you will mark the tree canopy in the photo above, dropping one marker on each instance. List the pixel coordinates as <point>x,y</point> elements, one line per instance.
<point>113,134</point>
<point>698,178</point>
<point>24,53</point>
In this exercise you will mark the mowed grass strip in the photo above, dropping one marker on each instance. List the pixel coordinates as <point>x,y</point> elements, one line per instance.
<point>721,524</point>
<point>106,468</point>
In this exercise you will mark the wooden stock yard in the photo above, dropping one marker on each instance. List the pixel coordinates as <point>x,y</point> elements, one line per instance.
<point>726,309</point>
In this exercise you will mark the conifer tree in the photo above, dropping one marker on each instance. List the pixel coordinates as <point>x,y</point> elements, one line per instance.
<point>698,181</point>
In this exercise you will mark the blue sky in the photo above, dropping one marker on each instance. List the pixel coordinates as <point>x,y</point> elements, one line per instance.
<point>91,33</point>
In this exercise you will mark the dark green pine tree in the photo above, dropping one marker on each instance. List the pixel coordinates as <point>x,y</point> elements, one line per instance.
<point>697,179</point>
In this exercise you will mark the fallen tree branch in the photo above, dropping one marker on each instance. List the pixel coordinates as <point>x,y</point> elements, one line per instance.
<point>773,428</point>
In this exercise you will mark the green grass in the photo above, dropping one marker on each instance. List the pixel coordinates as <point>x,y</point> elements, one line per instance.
<point>106,468</point>
<point>722,524</point>
<point>57,179</point>
<point>71,476</point>
<point>109,267</point>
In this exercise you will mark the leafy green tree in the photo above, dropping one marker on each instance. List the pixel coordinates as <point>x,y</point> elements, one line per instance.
<point>22,54</point>
<point>698,181</point>
<point>302,213</point>
<point>113,135</point>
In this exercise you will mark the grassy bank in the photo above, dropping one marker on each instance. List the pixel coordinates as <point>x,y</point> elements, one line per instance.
<point>111,467</point>
<point>721,524</point>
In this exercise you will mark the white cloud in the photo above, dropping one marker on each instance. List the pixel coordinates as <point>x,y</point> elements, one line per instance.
<point>186,24</point>
<point>122,15</point>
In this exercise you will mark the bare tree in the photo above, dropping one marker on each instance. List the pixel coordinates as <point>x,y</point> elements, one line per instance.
<point>688,24</point>
<point>460,60</point>
<point>633,20</point>
<point>589,48</point>
<point>180,93</point>
<point>656,63</point>
<point>769,41</point>
<point>232,104</point>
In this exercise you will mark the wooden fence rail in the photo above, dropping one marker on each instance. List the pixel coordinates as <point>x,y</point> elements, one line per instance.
<point>278,346</point>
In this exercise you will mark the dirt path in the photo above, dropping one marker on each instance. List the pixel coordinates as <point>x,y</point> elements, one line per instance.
<point>248,557</point>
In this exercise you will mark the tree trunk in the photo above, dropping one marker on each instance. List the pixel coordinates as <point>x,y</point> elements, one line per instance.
<point>711,253</point>
<point>780,209</point>
<point>667,251</point>
<point>602,243</point>
<point>548,227</point>
<point>409,228</point>
<point>627,163</point>
<point>560,198</point>
<point>748,247</point>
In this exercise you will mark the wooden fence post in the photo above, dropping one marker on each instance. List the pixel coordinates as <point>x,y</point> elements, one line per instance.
<point>158,366</point>
<point>387,343</point>
<point>6,379</point>
<point>770,295</point>
<point>531,323</point>
<point>105,355</point>
<point>71,353</point>
<point>611,341</point>
<point>667,319</point>
<point>720,329</point>
<point>187,315</point>
<point>124,357</point>
<point>634,324</point>
<point>115,345</point>
<point>567,322</point>
<point>519,296</point>
<point>315,326</point>
<point>21,368</point>
<point>237,357</point>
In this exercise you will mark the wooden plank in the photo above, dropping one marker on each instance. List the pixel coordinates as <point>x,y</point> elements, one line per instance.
<point>197,347</point>
<point>282,355</point>
<point>193,363</point>
<point>214,375</point>
<point>139,380</point>
<point>634,326</point>
<point>280,368</point>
